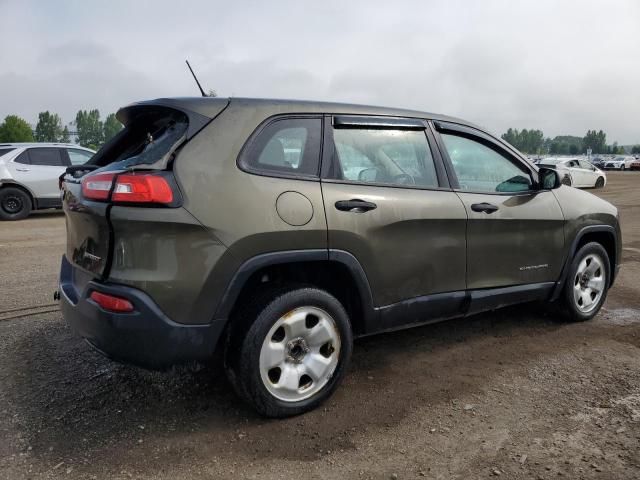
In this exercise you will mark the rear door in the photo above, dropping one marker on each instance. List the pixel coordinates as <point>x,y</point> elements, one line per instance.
<point>38,168</point>
<point>388,204</point>
<point>515,232</point>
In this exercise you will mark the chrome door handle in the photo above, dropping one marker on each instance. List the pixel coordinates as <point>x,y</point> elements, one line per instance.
<point>23,169</point>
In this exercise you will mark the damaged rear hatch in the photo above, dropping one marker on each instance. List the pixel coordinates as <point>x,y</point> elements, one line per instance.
<point>131,169</point>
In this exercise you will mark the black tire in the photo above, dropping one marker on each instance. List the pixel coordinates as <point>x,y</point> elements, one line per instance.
<point>567,304</point>
<point>623,168</point>
<point>251,326</point>
<point>15,204</point>
<point>600,182</point>
<point>566,180</point>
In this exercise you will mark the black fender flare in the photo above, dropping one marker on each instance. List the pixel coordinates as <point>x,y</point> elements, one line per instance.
<point>253,264</point>
<point>572,251</point>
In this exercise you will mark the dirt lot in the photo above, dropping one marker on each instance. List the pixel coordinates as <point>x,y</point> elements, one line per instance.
<point>511,393</point>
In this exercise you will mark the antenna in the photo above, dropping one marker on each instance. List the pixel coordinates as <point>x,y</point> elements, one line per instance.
<point>196,79</point>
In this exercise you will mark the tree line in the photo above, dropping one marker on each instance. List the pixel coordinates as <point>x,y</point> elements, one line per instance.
<point>90,130</point>
<point>534,142</point>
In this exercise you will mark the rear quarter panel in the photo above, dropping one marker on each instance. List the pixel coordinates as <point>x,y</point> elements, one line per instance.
<point>238,208</point>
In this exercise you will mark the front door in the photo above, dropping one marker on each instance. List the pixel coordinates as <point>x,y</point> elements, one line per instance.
<point>388,203</point>
<point>515,233</point>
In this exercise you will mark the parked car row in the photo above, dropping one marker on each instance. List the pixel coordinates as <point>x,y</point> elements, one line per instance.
<point>29,174</point>
<point>622,163</point>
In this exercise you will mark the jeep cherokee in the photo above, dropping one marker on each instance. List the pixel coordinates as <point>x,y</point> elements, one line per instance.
<point>274,232</point>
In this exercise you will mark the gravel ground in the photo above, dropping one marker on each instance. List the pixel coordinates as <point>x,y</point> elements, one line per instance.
<point>512,393</point>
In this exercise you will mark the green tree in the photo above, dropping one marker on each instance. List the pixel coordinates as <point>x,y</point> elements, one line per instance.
<point>596,141</point>
<point>66,136</point>
<point>527,141</point>
<point>635,149</point>
<point>15,129</point>
<point>111,127</point>
<point>49,127</point>
<point>90,129</point>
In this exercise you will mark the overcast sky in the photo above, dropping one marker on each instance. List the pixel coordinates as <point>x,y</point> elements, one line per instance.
<point>561,66</point>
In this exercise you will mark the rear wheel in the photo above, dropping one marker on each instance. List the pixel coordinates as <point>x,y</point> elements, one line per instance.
<point>15,204</point>
<point>587,283</point>
<point>288,350</point>
<point>600,182</point>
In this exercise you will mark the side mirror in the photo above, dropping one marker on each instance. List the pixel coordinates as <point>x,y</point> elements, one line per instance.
<point>548,178</point>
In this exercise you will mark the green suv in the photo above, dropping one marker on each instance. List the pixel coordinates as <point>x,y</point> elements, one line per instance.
<point>274,232</point>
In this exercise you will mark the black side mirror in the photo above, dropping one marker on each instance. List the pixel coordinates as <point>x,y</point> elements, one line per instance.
<point>548,178</point>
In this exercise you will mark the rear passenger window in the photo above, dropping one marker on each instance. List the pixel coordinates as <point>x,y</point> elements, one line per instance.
<point>285,147</point>
<point>385,156</point>
<point>23,158</point>
<point>46,156</point>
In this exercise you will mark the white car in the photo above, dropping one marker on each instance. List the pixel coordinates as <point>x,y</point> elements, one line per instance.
<point>576,172</point>
<point>29,175</point>
<point>619,163</point>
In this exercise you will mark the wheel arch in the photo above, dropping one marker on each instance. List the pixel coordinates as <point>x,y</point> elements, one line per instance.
<point>335,271</point>
<point>606,236</point>
<point>11,183</point>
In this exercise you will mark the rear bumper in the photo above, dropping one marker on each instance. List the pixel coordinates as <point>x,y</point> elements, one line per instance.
<point>145,337</point>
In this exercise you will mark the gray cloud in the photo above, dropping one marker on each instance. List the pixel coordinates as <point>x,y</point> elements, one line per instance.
<point>563,67</point>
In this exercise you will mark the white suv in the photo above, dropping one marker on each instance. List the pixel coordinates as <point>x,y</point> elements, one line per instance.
<point>29,175</point>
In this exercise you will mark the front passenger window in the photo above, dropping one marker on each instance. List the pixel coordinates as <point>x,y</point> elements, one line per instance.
<point>482,169</point>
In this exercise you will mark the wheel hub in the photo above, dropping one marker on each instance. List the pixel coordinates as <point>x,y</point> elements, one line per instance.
<point>296,350</point>
<point>584,280</point>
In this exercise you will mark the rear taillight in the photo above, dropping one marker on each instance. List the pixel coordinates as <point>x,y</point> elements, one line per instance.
<point>128,188</point>
<point>112,303</point>
<point>97,187</point>
<point>142,188</point>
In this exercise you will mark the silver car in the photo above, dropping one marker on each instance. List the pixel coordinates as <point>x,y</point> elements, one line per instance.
<point>29,175</point>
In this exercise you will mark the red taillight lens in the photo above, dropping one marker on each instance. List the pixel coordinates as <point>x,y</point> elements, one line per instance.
<point>98,186</point>
<point>142,188</point>
<point>129,187</point>
<point>111,303</point>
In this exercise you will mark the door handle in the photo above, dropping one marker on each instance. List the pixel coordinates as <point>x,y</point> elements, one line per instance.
<point>355,205</point>
<point>23,169</point>
<point>484,207</point>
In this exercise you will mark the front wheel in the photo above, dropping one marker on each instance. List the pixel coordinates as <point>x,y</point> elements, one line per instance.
<point>587,283</point>
<point>288,350</point>
<point>600,182</point>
